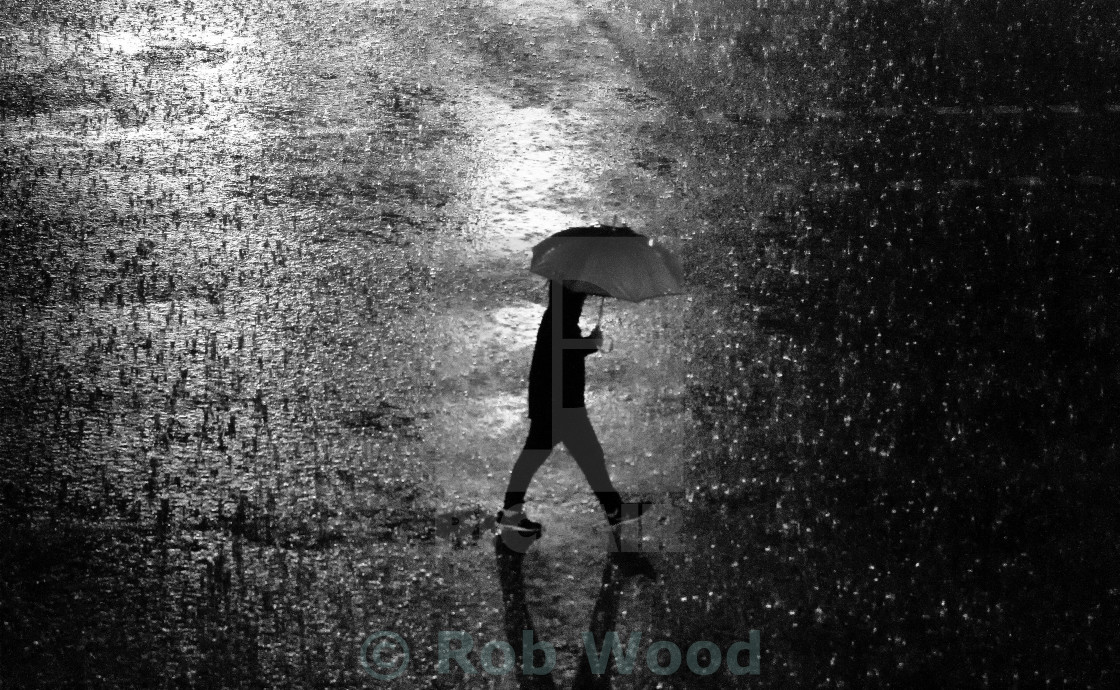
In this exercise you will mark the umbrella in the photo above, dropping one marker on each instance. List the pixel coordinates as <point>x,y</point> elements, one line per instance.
<point>610,261</point>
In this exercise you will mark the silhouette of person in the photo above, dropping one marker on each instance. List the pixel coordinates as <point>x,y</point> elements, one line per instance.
<point>557,412</point>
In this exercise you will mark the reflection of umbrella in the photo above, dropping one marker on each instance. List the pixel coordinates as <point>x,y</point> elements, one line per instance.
<point>608,261</point>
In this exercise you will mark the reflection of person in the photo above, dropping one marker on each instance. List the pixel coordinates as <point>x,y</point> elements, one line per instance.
<point>518,620</point>
<point>557,412</point>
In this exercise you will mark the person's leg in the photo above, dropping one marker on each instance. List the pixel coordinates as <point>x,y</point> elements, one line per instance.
<point>538,446</point>
<point>579,438</point>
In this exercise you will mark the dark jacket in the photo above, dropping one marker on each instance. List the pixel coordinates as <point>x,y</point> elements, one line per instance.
<point>542,398</point>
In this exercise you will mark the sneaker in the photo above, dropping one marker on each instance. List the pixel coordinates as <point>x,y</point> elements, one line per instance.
<point>517,532</point>
<point>514,520</point>
<point>626,513</point>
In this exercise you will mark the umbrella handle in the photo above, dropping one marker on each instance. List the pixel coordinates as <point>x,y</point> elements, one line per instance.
<point>610,341</point>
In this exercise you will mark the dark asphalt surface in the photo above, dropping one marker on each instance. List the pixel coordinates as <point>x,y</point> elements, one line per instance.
<point>265,323</point>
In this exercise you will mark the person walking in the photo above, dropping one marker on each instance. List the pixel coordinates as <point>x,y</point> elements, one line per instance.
<point>557,412</point>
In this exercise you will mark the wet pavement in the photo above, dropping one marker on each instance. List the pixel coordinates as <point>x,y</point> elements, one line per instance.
<point>266,325</point>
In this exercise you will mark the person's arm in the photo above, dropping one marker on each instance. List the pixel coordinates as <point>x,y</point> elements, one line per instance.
<point>595,338</point>
<point>586,344</point>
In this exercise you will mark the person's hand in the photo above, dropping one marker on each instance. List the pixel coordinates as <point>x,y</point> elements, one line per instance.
<point>596,338</point>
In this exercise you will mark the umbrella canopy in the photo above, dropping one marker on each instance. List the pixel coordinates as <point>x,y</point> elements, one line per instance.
<point>609,261</point>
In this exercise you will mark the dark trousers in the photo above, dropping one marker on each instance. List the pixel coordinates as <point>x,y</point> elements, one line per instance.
<point>572,427</point>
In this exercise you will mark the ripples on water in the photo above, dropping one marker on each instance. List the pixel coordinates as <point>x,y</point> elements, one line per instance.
<point>917,288</point>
